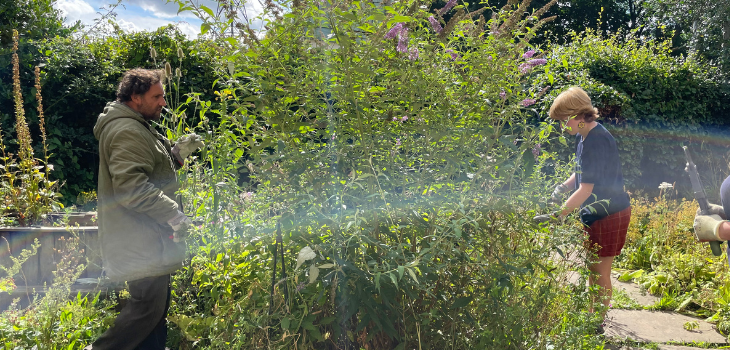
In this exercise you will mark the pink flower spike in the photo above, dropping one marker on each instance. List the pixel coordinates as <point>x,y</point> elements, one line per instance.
<point>436,25</point>
<point>405,117</point>
<point>528,54</point>
<point>503,95</point>
<point>395,31</point>
<point>395,119</point>
<point>397,141</point>
<point>528,102</point>
<point>449,6</point>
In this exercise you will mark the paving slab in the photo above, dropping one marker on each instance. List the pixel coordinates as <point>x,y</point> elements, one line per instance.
<point>660,347</point>
<point>634,291</point>
<point>658,327</point>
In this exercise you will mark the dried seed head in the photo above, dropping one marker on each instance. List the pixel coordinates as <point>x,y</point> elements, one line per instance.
<point>168,69</point>
<point>180,53</point>
<point>153,52</point>
<point>178,73</point>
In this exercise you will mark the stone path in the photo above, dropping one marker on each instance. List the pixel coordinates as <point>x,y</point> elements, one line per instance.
<point>658,327</point>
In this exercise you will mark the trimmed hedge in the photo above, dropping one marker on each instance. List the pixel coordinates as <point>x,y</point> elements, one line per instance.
<point>652,102</point>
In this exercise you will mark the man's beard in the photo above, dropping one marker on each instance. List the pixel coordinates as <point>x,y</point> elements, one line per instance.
<point>152,116</point>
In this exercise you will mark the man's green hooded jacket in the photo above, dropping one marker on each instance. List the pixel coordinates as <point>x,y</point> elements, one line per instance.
<point>137,184</point>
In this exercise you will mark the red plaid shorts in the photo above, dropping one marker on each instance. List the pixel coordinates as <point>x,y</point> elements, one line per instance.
<point>608,235</point>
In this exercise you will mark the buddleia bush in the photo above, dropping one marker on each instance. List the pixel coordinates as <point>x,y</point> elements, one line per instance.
<point>391,151</point>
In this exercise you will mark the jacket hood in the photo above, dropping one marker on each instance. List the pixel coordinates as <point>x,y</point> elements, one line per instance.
<point>113,111</point>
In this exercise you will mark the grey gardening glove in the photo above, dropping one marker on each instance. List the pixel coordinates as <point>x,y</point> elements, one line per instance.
<point>552,217</point>
<point>707,227</point>
<point>714,210</point>
<point>557,196</point>
<point>181,226</point>
<point>186,145</point>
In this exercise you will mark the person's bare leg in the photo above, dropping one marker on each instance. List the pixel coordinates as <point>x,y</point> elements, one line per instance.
<point>601,276</point>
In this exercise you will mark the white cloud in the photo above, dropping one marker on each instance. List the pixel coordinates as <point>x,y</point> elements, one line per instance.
<point>140,23</point>
<point>75,10</point>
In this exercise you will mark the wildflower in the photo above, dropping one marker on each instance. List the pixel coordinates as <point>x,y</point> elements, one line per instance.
<point>413,53</point>
<point>536,150</point>
<point>528,102</point>
<point>528,54</point>
<point>503,95</point>
<point>405,117</point>
<point>395,119</point>
<point>300,286</point>
<point>393,32</point>
<point>454,55</point>
<point>436,25</point>
<point>665,185</point>
<point>397,141</point>
<point>449,6</point>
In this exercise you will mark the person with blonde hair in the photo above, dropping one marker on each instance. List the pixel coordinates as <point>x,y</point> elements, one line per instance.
<point>597,186</point>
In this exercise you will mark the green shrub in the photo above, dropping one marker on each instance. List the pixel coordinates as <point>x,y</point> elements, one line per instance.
<point>403,187</point>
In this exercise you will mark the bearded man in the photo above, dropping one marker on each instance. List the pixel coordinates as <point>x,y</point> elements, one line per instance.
<point>141,227</point>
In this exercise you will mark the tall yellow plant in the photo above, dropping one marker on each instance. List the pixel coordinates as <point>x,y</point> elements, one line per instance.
<point>28,194</point>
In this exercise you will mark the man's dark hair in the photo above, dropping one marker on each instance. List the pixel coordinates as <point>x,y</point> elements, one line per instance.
<point>137,81</point>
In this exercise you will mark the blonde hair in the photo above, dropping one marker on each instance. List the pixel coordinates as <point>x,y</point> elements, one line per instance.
<point>573,102</point>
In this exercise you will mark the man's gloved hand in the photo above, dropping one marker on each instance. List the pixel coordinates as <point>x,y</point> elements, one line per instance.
<point>557,196</point>
<point>707,227</point>
<point>552,217</point>
<point>714,210</point>
<point>181,225</point>
<point>186,145</point>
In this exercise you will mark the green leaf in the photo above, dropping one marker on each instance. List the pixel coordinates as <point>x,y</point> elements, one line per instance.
<point>394,279</point>
<point>204,28</point>
<point>413,274</point>
<point>461,302</point>
<point>377,281</point>
<point>401,270</point>
<point>285,323</point>
<point>207,10</point>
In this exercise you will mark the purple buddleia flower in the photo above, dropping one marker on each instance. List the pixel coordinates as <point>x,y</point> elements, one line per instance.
<point>528,54</point>
<point>395,119</point>
<point>413,53</point>
<point>537,62</point>
<point>503,95</point>
<point>405,117</point>
<point>453,54</point>
<point>403,40</point>
<point>528,102</point>
<point>449,6</point>
<point>536,151</point>
<point>525,67</point>
<point>395,31</point>
<point>436,25</point>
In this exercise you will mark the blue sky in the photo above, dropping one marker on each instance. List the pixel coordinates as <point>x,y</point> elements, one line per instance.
<point>139,15</point>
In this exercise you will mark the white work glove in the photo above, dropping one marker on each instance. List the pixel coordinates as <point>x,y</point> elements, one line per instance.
<point>713,210</point>
<point>181,226</point>
<point>707,227</point>
<point>186,145</point>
